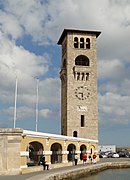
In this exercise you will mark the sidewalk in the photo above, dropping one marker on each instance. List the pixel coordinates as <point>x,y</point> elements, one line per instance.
<point>39,174</point>
<point>42,175</point>
<point>72,170</point>
<point>82,170</point>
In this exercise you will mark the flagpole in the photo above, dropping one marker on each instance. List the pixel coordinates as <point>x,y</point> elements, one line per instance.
<point>37,106</point>
<point>15,101</point>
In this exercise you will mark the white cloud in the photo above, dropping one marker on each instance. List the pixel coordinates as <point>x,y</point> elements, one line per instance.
<point>24,113</point>
<point>112,69</point>
<point>49,91</point>
<point>10,25</point>
<point>114,109</point>
<point>16,60</point>
<point>45,113</point>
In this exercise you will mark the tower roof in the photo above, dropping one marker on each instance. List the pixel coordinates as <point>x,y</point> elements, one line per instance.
<point>65,31</point>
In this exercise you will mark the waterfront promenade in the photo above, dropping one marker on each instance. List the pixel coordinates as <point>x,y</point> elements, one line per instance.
<point>72,170</point>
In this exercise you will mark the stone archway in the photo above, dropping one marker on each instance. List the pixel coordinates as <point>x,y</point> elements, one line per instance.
<point>92,149</point>
<point>56,156</point>
<point>35,151</point>
<point>71,148</point>
<point>83,151</point>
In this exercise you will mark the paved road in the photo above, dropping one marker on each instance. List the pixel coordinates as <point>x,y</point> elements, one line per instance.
<point>42,174</point>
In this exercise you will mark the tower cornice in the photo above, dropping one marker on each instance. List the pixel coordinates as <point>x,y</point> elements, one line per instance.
<point>65,31</point>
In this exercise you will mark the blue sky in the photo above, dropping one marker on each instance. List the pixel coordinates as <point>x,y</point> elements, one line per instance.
<point>29,31</point>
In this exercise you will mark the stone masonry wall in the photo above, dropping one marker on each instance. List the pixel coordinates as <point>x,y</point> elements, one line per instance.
<point>10,144</point>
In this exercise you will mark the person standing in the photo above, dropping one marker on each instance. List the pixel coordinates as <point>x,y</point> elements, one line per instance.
<point>76,159</point>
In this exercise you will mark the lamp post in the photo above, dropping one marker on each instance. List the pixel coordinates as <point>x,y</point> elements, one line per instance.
<point>37,105</point>
<point>15,101</point>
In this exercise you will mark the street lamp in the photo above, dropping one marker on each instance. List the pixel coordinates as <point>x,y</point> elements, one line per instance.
<point>15,101</point>
<point>37,105</point>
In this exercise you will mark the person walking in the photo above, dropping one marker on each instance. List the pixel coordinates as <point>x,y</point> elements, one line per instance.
<point>84,158</point>
<point>94,158</point>
<point>90,158</point>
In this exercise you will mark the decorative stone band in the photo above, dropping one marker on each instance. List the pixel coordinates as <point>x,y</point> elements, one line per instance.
<point>24,153</point>
<point>78,152</point>
<point>25,166</point>
<point>56,136</point>
<point>65,161</point>
<point>96,151</point>
<point>48,163</point>
<point>65,152</point>
<point>88,151</point>
<point>47,152</point>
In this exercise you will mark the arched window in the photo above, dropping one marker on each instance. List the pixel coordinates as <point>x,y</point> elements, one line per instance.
<point>75,134</point>
<point>81,42</point>
<point>76,42</point>
<point>82,60</point>
<point>87,43</point>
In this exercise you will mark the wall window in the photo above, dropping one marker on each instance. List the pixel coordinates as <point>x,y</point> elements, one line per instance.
<point>76,42</point>
<point>75,134</point>
<point>82,120</point>
<point>82,60</point>
<point>91,150</point>
<point>81,42</point>
<point>87,43</point>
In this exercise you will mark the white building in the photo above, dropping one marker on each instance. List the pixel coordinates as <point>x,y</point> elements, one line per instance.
<point>106,148</point>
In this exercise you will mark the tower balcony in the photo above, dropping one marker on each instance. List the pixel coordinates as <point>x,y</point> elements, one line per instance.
<point>81,73</point>
<point>85,69</point>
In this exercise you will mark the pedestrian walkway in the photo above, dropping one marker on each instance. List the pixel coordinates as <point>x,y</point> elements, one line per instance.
<point>72,170</point>
<point>43,175</point>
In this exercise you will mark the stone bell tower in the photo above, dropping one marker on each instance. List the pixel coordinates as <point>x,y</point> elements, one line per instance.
<point>79,99</point>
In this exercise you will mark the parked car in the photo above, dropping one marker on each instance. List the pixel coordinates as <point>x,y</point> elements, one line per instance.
<point>110,155</point>
<point>121,154</point>
<point>102,155</point>
<point>113,155</point>
<point>124,154</point>
<point>127,154</point>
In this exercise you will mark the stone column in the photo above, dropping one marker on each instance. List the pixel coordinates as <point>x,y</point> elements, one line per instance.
<point>47,151</point>
<point>65,153</point>
<point>10,145</point>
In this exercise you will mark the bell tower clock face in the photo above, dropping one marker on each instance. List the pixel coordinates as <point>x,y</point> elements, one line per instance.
<point>82,92</point>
